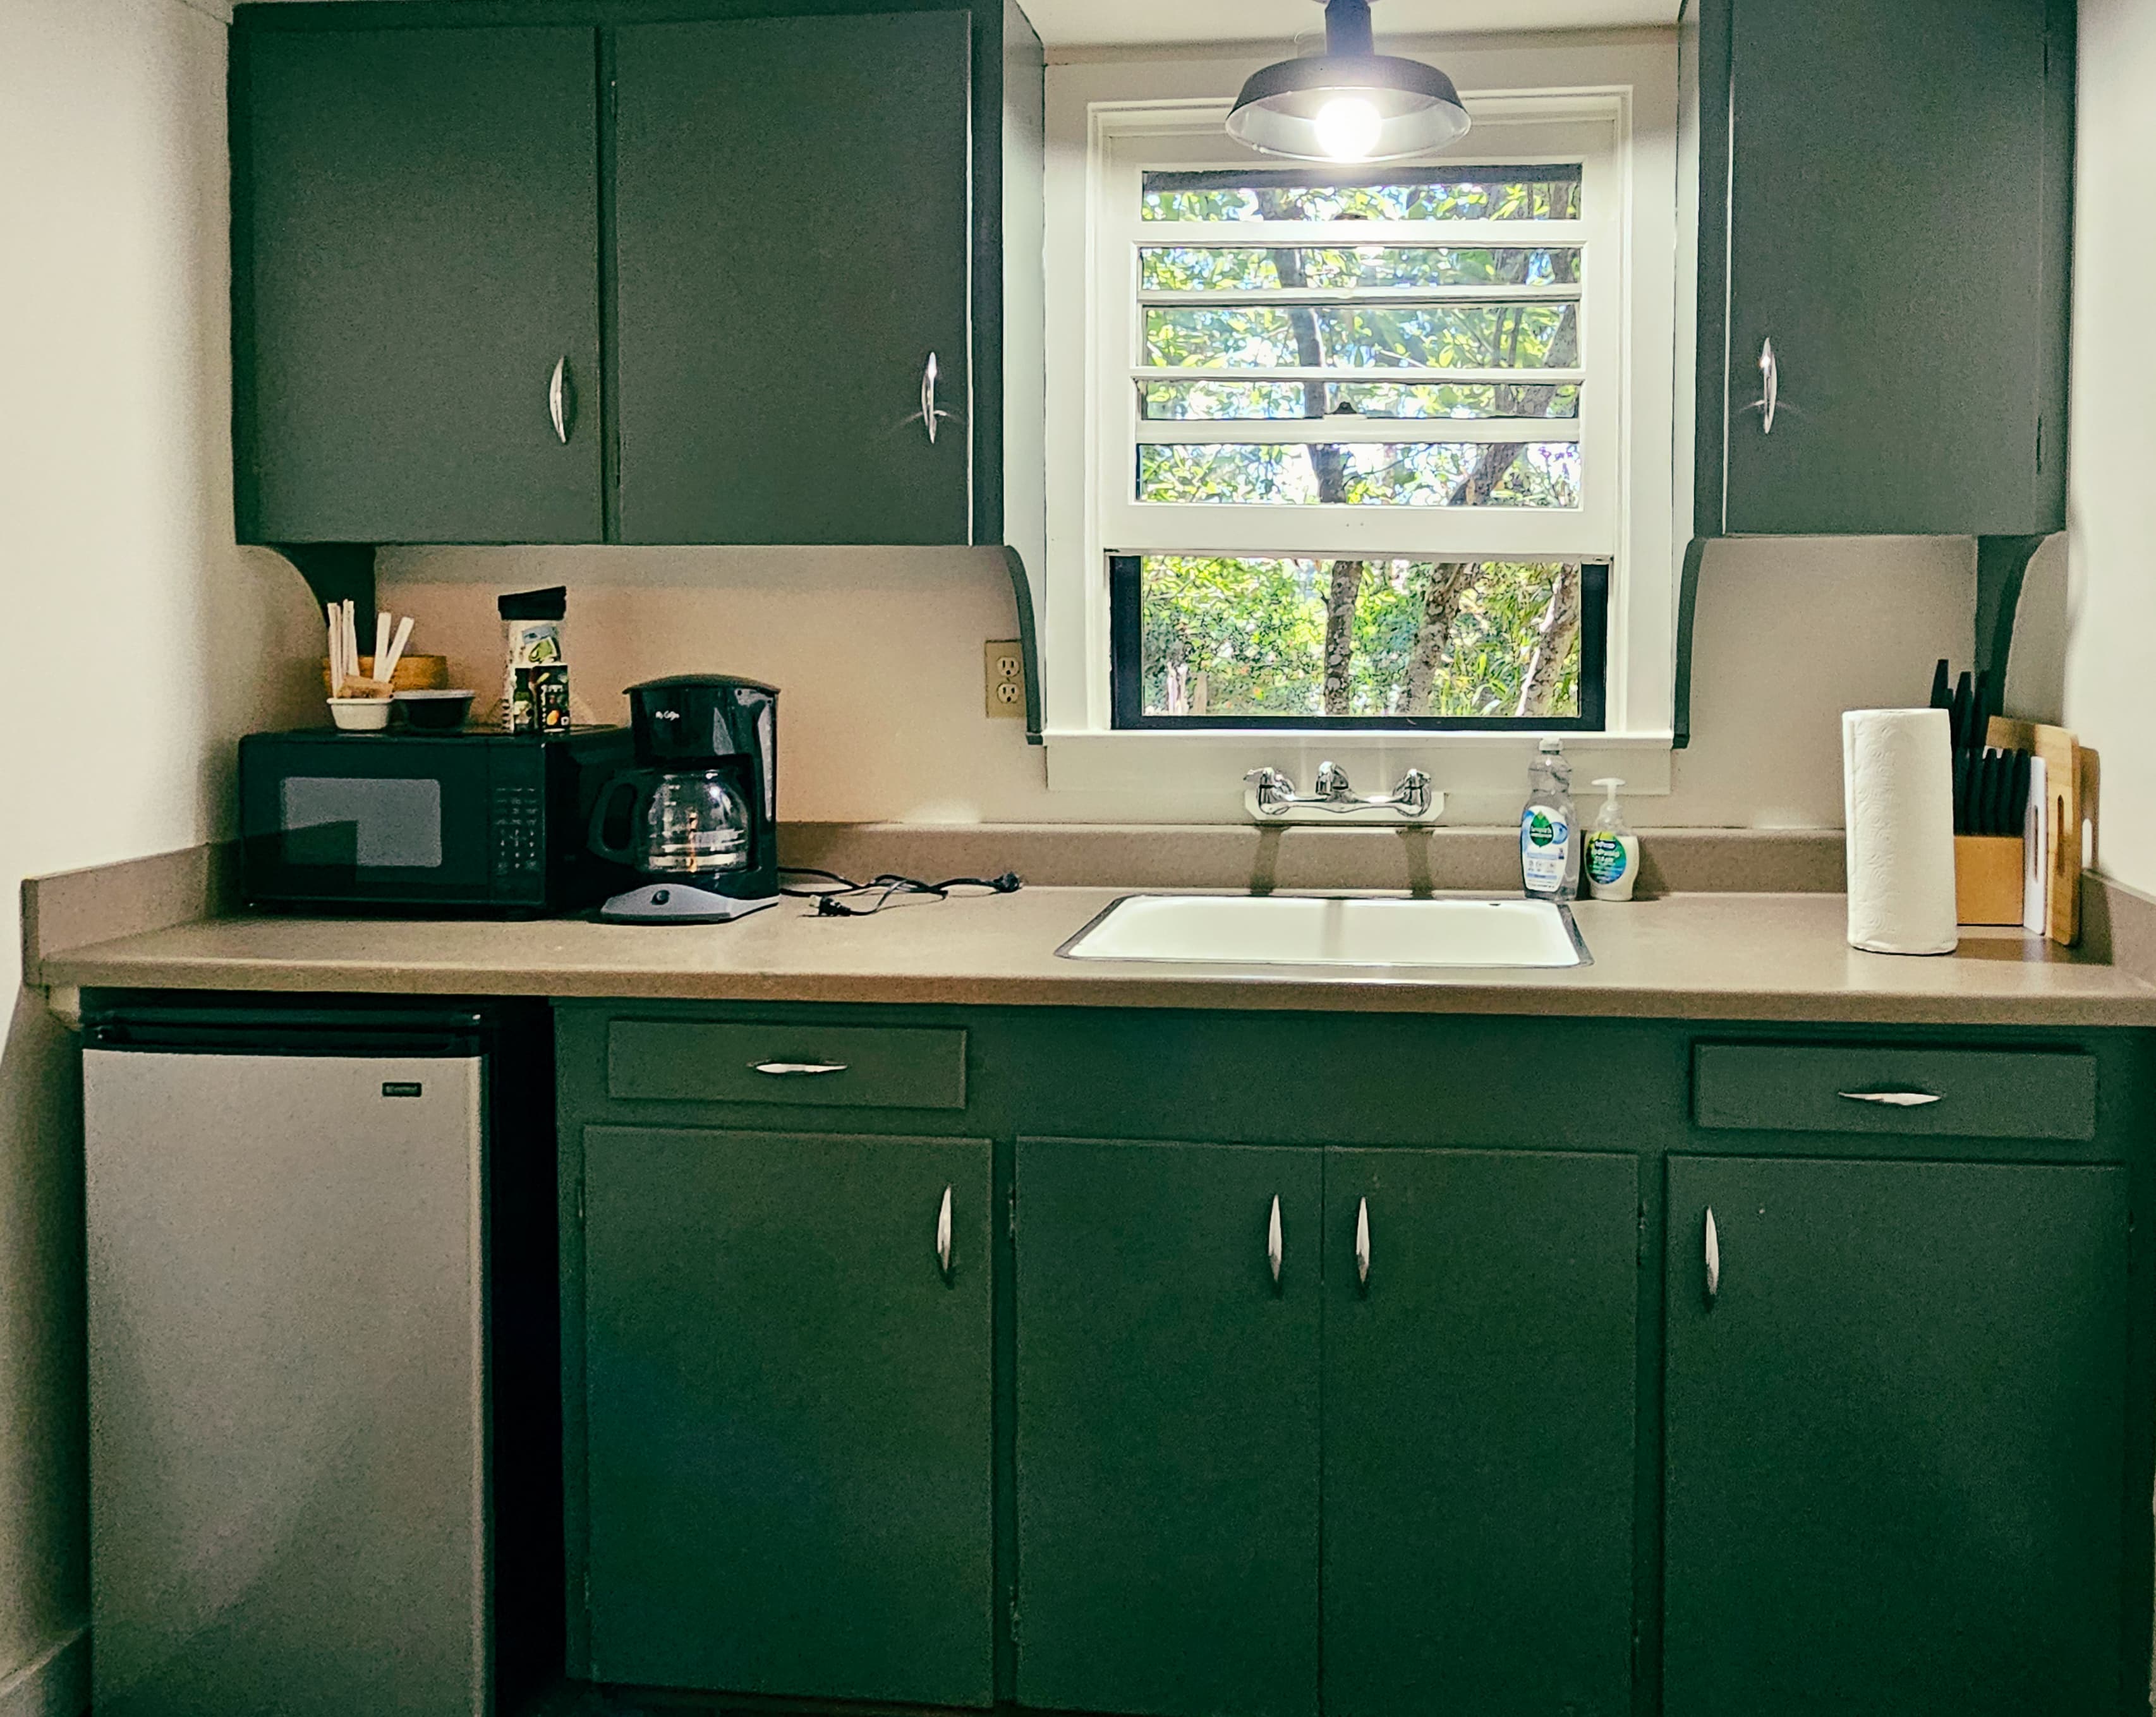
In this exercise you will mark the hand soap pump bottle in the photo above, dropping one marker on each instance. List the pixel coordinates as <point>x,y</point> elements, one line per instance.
<point>1613,850</point>
<point>1549,853</point>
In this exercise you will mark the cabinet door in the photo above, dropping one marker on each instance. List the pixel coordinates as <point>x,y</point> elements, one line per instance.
<point>1887,235</point>
<point>1168,1436</point>
<point>788,1404</point>
<point>794,246</point>
<point>1896,1439</point>
<point>1480,1388</point>
<point>416,215</point>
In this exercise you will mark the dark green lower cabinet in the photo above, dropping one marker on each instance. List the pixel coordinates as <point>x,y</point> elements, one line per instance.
<point>1479,1389</point>
<point>1168,1429</point>
<point>788,1401</point>
<point>1430,1454</point>
<point>1423,1480</point>
<point>1897,1440</point>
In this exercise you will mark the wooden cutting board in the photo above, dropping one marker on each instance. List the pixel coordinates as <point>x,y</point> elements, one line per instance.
<point>2072,776</point>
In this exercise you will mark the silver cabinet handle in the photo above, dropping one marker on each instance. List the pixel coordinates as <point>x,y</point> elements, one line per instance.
<point>944,1235</point>
<point>1362,1244</point>
<point>557,399</point>
<point>928,397</point>
<point>1770,372</point>
<point>1892,1099</point>
<point>798,1069</point>
<point>1275,1252</point>
<point>1713,1251</point>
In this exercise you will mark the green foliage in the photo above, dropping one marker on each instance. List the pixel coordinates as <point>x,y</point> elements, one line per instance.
<point>1401,195</point>
<point>1228,400</point>
<point>1416,474</point>
<point>1474,336</point>
<point>1254,631</point>
<point>1218,268</point>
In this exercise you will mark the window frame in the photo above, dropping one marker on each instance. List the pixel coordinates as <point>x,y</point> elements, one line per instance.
<point>1629,82</point>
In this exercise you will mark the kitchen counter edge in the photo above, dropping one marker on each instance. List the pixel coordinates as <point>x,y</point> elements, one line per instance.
<point>1738,957</point>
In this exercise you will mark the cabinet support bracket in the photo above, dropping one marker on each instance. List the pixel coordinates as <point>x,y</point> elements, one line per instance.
<point>2001,563</point>
<point>1688,605</point>
<point>1029,642</point>
<point>336,573</point>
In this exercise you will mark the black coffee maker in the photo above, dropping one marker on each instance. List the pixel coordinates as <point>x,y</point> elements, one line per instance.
<point>696,818</point>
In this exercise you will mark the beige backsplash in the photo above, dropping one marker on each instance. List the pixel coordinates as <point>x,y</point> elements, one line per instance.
<point>878,652</point>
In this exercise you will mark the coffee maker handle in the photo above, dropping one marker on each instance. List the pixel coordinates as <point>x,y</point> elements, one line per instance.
<point>603,810</point>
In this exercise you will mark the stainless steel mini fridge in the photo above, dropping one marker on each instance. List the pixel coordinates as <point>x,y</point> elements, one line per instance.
<point>289,1356</point>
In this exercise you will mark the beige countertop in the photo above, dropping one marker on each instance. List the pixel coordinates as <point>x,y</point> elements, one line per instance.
<point>1694,956</point>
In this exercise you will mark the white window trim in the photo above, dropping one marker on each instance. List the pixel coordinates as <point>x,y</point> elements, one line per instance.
<point>1631,79</point>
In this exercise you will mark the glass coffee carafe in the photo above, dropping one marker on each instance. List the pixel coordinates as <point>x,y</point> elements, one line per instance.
<point>694,824</point>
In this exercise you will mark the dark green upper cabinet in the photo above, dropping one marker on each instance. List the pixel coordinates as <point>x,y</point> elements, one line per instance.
<point>1884,191</point>
<point>741,236</point>
<point>792,199</point>
<point>789,1410</point>
<point>1168,1429</point>
<point>416,235</point>
<point>1479,1390</point>
<point>1897,1440</point>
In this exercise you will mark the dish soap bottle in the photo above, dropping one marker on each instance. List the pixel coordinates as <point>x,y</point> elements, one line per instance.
<point>1549,856</point>
<point>1613,850</point>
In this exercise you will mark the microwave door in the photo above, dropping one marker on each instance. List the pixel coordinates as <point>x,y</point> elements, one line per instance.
<point>366,827</point>
<point>361,831</point>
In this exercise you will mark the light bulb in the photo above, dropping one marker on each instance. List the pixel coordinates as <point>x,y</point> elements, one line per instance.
<point>1348,127</point>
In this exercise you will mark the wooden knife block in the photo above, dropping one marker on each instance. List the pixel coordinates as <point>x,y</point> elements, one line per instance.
<point>1988,879</point>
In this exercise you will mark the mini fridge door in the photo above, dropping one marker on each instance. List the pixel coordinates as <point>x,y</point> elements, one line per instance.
<point>287,1356</point>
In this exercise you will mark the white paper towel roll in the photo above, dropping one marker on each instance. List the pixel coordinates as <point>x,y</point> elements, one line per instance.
<point>1897,796</point>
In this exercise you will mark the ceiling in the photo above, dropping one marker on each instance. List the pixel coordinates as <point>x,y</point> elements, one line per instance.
<point>1071,23</point>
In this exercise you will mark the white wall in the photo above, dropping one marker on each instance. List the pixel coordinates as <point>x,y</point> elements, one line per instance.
<point>879,654</point>
<point>139,642</point>
<point>2086,642</point>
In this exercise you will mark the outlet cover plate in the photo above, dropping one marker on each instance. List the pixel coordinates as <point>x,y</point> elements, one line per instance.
<point>1003,678</point>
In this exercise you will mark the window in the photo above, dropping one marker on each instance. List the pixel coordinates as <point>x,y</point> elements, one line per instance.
<point>1383,449</point>
<point>1242,641</point>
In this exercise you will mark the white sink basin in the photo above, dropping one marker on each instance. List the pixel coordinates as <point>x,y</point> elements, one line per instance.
<point>1301,929</point>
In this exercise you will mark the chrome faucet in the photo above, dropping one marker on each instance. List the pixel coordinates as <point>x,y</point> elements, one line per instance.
<point>1269,796</point>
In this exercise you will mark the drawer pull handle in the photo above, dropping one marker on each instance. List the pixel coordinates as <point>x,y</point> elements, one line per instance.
<point>798,1069</point>
<point>1893,1099</point>
<point>944,1235</point>
<point>1276,1250</point>
<point>1713,1252</point>
<point>1362,1244</point>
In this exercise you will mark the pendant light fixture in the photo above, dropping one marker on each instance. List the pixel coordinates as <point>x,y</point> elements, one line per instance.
<point>1350,103</point>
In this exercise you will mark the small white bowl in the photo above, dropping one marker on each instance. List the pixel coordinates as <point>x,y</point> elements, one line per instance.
<point>360,714</point>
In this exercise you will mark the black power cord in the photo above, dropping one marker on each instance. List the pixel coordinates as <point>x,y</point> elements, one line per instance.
<point>840,900</point>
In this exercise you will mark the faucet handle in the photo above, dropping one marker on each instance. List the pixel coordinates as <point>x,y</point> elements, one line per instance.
<point>1267,792</point>
<point>1413,793</point>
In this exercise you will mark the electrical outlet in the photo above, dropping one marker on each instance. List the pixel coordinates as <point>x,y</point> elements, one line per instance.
<point>1005,678</point>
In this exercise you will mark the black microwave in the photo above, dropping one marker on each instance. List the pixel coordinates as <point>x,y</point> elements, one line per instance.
<point>472,822</point>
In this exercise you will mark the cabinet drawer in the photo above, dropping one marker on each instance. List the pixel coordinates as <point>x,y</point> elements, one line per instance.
<point>1969,1094</point>
<point>810,1066</point>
